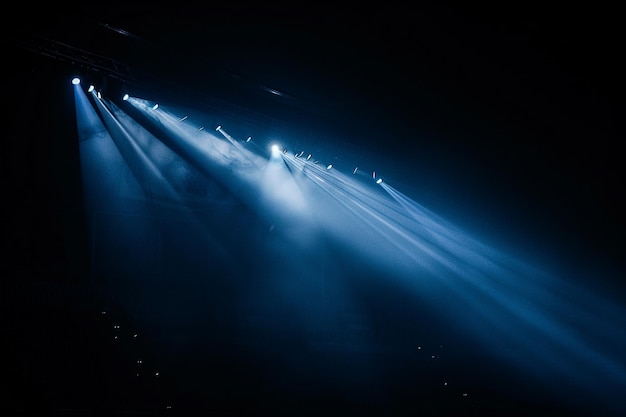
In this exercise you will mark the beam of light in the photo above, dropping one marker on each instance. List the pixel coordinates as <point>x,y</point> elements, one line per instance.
<point>236,166</point>
<point>144,167</point>
<point>528,311</point>
<point>130,181</point>
<point>525,314</point>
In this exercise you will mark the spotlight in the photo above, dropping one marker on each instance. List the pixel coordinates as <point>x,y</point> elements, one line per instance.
<point>182,119</point>
<point>218,128</point>
<point>285,151</point>
<point>126,97</point>
<point>156,106</point>
<point>378,181</point>
<point>99,95</point>
<point>275,151</point>
<point>91,88</point>
<point>374,174</point>
<point>249,138</point>
<point>308,157</point>
<point>329,166</point>
<point>355,170</point>
<point>75,81</point>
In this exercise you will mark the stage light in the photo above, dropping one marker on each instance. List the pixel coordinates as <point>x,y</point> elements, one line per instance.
<point>182,119</point>
<point>275,152</point>
<point>378,181</point>
<point>329,166</point>
<point>156,106</point>
<point>91,88</point>
<point>75,80</point>
<point>218,128</point>
<point>126,97</point>
<point>99,95</point>
<point>355,170</point>
<point>374,174</point>
<point>249,138</point>
<point>308,157</point>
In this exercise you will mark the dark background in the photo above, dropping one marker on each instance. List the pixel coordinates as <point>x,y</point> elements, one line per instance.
<point>506,119</point>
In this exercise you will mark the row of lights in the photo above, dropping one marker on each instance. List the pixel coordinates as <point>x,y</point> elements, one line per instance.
<point>91,88</point>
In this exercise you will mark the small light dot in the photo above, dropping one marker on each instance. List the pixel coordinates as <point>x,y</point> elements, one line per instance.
<point>465,394</point>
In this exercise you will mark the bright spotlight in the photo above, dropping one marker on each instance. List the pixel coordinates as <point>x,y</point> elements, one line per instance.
<point>99,95</point>
<point>91,88</point>
<point>275,148</point>
<point>218,128</point>
<point>126,97</point>
<point>378,181</point>
<point>249,138</point>
<point>374,174</point>
<point>355,170</point>
<point>156,106</point>
<point>329,166</point>
<point>75,80</point>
